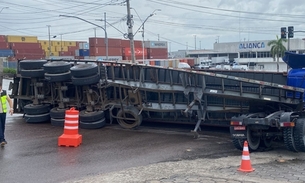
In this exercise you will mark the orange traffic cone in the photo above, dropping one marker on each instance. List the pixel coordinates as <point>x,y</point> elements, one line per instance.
<point>245,160</point>
<point>70,137</point>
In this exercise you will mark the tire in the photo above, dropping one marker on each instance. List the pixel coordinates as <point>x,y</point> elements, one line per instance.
<point>31,64</point>
<point>57,113</point>
<point>130,112</point>
<point>86,80</point>
<point>253,141</point>
<point>266,142</point>
<point>84,70</point>
<point>299,135</point>
<point>238,143</point>
<point>32,109</point>
<point>37,73</point>
<point>91,116</point>
<point>39,118</point>
<point>289,139</point>
<point>58,77</point>
<point>56,67</point>
<point>95,125</point>
<point>58,122</point>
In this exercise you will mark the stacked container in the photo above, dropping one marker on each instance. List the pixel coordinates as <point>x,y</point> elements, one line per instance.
<point>97,47</point>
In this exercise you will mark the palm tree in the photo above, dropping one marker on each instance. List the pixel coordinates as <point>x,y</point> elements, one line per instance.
<point>277,49</point>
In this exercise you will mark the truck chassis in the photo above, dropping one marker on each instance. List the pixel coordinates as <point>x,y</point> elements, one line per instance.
<point>256,111</point>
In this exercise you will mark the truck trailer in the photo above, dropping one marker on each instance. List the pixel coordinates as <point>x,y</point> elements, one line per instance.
<point>257,106</point>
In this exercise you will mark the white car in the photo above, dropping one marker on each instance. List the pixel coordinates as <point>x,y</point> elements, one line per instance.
<point>183,65</point>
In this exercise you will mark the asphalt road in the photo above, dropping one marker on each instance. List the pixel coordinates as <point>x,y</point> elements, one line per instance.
<point>32,154</point>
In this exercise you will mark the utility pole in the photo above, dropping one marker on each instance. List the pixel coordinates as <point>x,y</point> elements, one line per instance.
<point>49,39</point>
<point>195,42</point>
<point>106,37</point>
<point>94,32</point>
<point>130,34</point>
<point>158,37</point>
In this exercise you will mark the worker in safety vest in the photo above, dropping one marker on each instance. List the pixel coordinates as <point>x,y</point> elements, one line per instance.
<point>3,110</point>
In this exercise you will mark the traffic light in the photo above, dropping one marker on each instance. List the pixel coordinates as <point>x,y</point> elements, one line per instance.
<point>290,32</point>
<point>283,32</point>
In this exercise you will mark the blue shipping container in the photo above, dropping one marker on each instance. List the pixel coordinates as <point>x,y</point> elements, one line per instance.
<point>157,62</point>
<point>6,53</point>
<point>84,52</point>
<point>296,78</point>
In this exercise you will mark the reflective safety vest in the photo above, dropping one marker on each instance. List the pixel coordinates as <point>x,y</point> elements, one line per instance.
<point>3,101</point>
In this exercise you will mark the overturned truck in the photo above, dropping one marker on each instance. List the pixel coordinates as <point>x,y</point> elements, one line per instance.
<point>258,107</point>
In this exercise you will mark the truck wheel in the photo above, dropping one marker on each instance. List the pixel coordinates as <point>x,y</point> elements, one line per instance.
<point>253,140</point>
<point>58,77</point>
<point>238,143</point>
<point>289,140</point>
<point>32,109</point>
<point>86,80</point>
<point>31,64</point>
<point>131,113</point>
<point>58,113</point>
<point>57,122</point>
<point>92,125</point>
<point>299,135</point>
<point>84,70</point>
<point>85,116</point>
<point>39,118</point>
<point>37,73</point>
<point>266,142</point>
<point>56,67</point>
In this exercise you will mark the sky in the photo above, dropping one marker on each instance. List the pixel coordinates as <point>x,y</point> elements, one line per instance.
<point>183,24</point>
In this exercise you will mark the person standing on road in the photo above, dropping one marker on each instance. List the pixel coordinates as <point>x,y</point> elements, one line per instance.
<point>3,110</point>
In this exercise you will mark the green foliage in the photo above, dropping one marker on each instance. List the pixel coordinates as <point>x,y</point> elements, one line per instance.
<point>9,71</point>
<point>277,49</point>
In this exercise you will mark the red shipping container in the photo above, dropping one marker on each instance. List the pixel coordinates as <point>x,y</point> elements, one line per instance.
<point>191,61</point>
<point>29,51</point>
<point>114,42</point>
<point>101,51</point>
<point>79,57</point>
<point>138,52</point>
<point>72,48</point>
<point>4,45</point>
<point>96,42</point>
<point>25,46</point>
<point>125,43</point>
<point>2,39</point>
<point>137,44</point>
<point>66,53</point>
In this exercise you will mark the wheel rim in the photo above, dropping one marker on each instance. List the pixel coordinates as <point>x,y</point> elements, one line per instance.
<point>267,142</point>
<point>133,120</point>
<point>253,141</point>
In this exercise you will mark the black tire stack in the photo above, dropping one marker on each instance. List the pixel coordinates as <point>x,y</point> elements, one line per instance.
<point>32,68</point>
<point>57,116</point>
<point>91,120</point>
<point>85,74</point>
<point>37,113</point>
<point>57,71</point>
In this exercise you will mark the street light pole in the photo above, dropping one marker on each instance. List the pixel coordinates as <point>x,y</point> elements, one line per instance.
<point>3,9</point>
<point>106,37</point>
<point>49,40</point>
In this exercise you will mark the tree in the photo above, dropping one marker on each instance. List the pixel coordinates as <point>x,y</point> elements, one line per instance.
<point>277,49</point>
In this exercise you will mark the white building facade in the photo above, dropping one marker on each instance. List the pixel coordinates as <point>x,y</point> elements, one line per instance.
<point>247,52</point>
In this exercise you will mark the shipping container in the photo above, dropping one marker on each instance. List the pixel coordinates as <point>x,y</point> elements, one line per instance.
<point>44,42</point>
<point>4,45</point>
<point>84,52</point>
<point>138,52</point>
<point>138,44</point>
<point>83,46</point>
<point>69,43</point>
<point>6,53</point>
<point>27,46</point>
<point>157,53</point>
<point>155,44</point>
<point>72,48</point>
<point>100,42</point>
<point>26,39</point>
<point>59,48</point>
<point>2,39</point>
<point>111,58</point>
<point>32,51</point>
<point>125,43</point>
<point>66,53</point>
<point>29,56</point>
<point>101,51</point>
